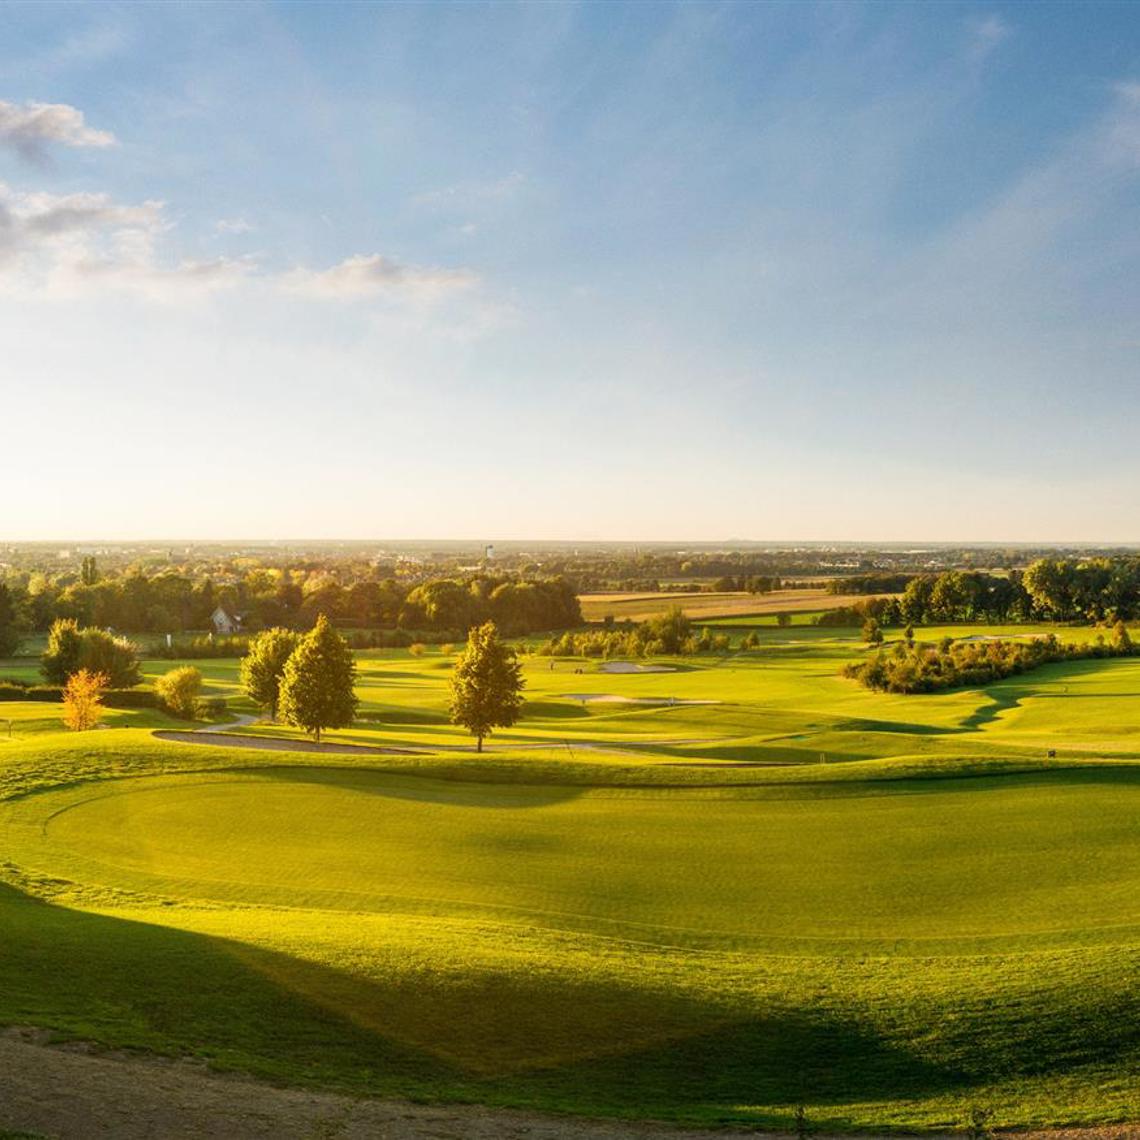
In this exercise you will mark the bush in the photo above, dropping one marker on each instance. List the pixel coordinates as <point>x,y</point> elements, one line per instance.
<point>13,691</point>
<point>70,649</point>
<point>209,708</point>
<point>910,668</point>
<point>205,645</point>
<point>179,690</point>
<point>44,693</point>
<point>131,699</point>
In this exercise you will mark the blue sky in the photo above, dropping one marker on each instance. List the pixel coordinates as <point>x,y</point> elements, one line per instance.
<point>571,271</point>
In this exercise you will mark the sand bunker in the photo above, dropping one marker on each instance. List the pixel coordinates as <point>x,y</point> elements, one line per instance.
<point>633,667</point>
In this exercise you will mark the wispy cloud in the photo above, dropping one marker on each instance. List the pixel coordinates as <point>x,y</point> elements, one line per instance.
<point>465,195</point>
<point>367,275</point>
<point>30,128</point>
<point>67,245</point>
<point>233,226</point>
<point>986,35</point>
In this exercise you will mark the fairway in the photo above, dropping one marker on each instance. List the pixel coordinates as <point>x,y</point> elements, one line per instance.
<point>725,867</point>
<point>705,891</point>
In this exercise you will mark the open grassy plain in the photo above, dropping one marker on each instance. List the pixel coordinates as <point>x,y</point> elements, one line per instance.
<point>705,894</point>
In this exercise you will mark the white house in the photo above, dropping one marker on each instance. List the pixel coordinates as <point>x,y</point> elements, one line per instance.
<point>225,622</point>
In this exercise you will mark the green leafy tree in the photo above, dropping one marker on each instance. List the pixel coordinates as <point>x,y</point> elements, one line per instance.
<point>317,682</point>
<point>264,665</point>
<point>61,657</point>
<point>872,634</point>
<point>70,648</point>
<point>116,657</point>
<point>9,637</point>
<point>669,631</point>
<point>179,690</point>
<point>1121,639</point>
<point>486,684</point>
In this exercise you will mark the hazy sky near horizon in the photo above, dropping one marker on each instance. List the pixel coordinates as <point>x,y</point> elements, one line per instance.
<point>571,271</point>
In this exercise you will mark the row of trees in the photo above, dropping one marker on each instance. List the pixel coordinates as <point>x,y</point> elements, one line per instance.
<point>172,602</point>
<point>309,680</point>
<point>912,667</point>
<point>1049,589</point>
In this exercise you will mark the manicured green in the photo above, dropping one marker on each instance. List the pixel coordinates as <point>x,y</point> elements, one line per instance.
<point>886,908</point>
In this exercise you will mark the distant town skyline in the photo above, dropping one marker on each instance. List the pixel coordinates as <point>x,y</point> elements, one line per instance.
<point>646,272</point>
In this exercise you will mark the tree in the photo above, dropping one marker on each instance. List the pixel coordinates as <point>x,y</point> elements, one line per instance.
<point>82,699</point>
<point>783,619</point>
<point>70,648</point>
<point>9,637</point>
<point>179,690</point>
<point>871,632</point>
<point>486,684</point>
<point>264,664</point>
<point>1121,640</point>
<point>61,657</point>
<point>117,657</point>
<point>317,681</point>
<point>670,630</point>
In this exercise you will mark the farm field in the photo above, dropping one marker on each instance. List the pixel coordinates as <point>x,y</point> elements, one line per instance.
<point>708,893</point>
<point>699,606</point>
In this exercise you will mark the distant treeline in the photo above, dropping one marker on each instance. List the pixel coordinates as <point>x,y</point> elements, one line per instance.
<point>869,584</point>
<point>171,603</point>
<point>910,667</point>
<point>1050,589</point>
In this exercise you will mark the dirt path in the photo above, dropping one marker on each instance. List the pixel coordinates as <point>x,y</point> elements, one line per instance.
<point>75,1093</point>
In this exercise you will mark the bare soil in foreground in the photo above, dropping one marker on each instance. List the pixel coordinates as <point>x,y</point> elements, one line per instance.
<point>77,1091</point>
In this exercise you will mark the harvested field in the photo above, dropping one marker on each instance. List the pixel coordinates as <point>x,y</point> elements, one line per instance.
<point>639,607</point>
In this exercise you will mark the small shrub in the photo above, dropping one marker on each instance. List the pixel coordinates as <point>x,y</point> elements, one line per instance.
<point>179,690</point>
<point>210,708</point>
<point>44,693</point>
<point>131,699</point>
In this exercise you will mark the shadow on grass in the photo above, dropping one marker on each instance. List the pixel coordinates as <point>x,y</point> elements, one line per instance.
<point>547,1038</point>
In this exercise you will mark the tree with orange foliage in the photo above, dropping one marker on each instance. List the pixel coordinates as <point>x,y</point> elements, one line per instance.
<point>83,699</point>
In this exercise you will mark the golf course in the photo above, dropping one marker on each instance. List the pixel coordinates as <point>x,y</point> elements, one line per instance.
<point>708,890</point>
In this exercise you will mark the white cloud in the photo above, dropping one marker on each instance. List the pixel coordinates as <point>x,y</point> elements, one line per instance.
<point>30,128</point>
<point>365,275</point>
<point>233,226</point>
<point>68,245</point>
<point>61,245</point>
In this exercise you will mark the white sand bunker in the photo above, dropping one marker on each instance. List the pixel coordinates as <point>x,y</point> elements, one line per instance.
<point>634,667</point>
<point>613,698</point>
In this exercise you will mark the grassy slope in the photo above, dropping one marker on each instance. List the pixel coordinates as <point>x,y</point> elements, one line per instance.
<point>399,955</point>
